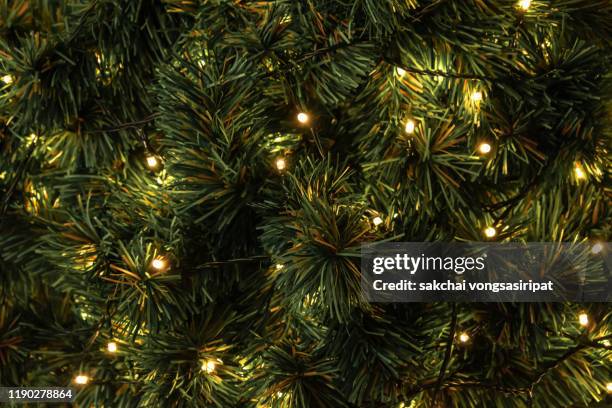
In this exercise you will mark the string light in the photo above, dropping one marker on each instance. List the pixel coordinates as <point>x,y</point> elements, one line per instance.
<point>377,221</point>
<point>464,337</point>
<point>524,4</point>
<point>7,79</point>
<point>279,267</point>
<point>609,387</point>
<point>159,263</point>
<point>490,232</point>
<point>580,174</point>
<point>477,96</point>
<point>209,366</point>
<point>152,162</point>
<point>583,318</point>
<point>281,164</point>
<point>303,117</point>
<point>81,379</point>
<point>484,148</point>
<point>400,71</point>
<point>410,125</point>
<point>111,347</point>
<point>597,248</point>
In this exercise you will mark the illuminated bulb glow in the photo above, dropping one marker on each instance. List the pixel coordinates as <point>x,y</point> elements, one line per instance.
<point>477,96</point>
<point>597,248</point>
<point>158,263</point>
<point>302,117</point>
<point>81,379</point>
<point>111,347</point>
<point>152,161</point>
<point>490,232</point>
<point>464,337</point>
<point>410,125</point>
<point>580,174</point>
<point>7,79</point>
<point>583,318</point>
<point>609,387</point>
<point>281,164</point>
<point>524,4</point>
<point>208,366</point>
<point>400,71</point>
<point>484,148</point>
<point>279,267</point>
<point>377,221</point>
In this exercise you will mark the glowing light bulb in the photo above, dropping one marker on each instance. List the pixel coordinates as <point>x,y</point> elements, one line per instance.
<point>279,267</point>
<point>7,79</point>
<point>580,174</point>
<point>81,379</point>
<point>484,148</point>
<point>464,337</point>
<point>400,71</point>
<point>583,319</point>
<point>597,248</point>
<point>209,366</point>
<point>159,264</point>
<point>609,387</point>
<point>477,96</point>
<point>377,221</point>
<point>303,117</point>
<point>410,125</point>
<point>152,162</point>
<point>490,232</point>
<point>281,164</point>
<point>111,347</point>
<point>524,4</point>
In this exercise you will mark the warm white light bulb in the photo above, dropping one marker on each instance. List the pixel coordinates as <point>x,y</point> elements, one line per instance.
<point>580,174</point>
<point>111,347</point>
<point>81,379</point>
<point>609,387</point>
<point>583,318</point>
<point>303,117</point>
<point>279,267</point>
<point>400,71</point>
<point>524,4</point>
<point>7,79</point>
<point>152,161</point>
<point>377,221</point>
<point>410,125</point>
<point>208,366</point>
<point>490,232</point>
<point>281,164</point>
<point>484,148</point>
<point>477,96</point>
<point>464,337</point>
<point>597,248</point>
<point>158,263</point>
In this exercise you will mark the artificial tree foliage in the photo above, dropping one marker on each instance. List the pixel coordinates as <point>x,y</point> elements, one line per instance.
<point>191,181</point>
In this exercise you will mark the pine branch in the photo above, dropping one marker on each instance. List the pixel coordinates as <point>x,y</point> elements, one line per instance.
<point>449,349</point>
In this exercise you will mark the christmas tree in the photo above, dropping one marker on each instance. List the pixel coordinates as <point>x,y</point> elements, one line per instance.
<point>185,186</point>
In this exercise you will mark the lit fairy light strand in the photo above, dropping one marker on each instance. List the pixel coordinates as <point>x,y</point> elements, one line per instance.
<point>81,379</point>
<point>303,118</point>
<point>524,4</point>
<point>583,319</point>
<point>484,148</point>
<point>410,126</point>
